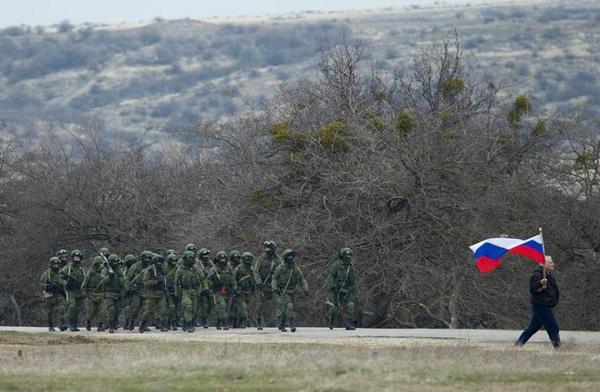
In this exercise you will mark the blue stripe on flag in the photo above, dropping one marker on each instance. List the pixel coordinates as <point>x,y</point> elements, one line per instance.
<point>534,245</point>
<point>490,251</point>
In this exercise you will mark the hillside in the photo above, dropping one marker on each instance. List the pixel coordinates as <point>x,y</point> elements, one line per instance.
<point>134,81</point>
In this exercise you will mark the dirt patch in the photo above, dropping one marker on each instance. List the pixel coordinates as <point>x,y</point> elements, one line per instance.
<point>19,339</point>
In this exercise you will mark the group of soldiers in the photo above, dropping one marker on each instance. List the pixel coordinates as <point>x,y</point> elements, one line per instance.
<point>172,290</point>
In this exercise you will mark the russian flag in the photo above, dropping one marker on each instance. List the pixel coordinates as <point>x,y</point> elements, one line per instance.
<point>489,252</point>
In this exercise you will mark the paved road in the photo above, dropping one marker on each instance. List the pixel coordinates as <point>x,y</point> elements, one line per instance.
<point>339,335</point>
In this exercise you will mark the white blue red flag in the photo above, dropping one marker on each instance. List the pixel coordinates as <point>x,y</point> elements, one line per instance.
<point>489,252</point>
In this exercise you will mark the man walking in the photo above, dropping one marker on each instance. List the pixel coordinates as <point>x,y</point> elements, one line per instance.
<point>544,296</point>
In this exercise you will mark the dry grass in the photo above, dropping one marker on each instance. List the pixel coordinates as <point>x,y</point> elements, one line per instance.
<point>35,362</point>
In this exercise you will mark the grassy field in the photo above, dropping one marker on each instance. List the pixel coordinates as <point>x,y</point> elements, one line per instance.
<point>60,362</point>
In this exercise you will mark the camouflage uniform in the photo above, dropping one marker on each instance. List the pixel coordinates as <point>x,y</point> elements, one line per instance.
<point>246,287</point>
<point>222,286</point>
<point>94,297</point>
<point>205,300</point>
<point>172,306</point>
<point>154,294</point>
<point>135,286</point>
<point>128,262</point>
<point>235,258</point>
<point>263,273</point>
<point>62,312</point>
<point>342,287</point>
<point>189,282</point>
<point>53,292</point>
<point>112,284</point>
<point>285,280</point>
<point>72,276</point>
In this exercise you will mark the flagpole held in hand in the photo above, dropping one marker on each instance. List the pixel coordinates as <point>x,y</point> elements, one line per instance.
<point>544,252</point>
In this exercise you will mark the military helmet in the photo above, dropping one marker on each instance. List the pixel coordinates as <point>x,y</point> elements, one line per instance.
<point>172,257</point>
<point>288,253</point>
<point>76,253</point>
<point>170,252</point>
<point>130,259</point>
<point>188,254</point>
<point>203,252</point>
<point>270,244</point>
<point>344,251</point>
<point>234,254</point>
<point>221,254</point>
<point>104,252</point>
<point>62,253</point>
<point>113,258</point>
<point>247,256</point>
<point>191,248</point>
<point>158,258</point>
<point>54,260</point>
<point>146,255</point>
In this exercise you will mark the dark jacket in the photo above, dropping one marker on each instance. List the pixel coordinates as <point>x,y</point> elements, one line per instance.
<point>548,296</point>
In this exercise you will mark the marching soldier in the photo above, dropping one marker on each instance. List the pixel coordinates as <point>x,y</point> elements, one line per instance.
<point>235,258</point>
<point>172,306</point>
<point>112,284</point>
<point>94,297</point>
<point>189,282</point>
<point>53,292</point>
<point>263,273</point>
<point>135,286</point>
<point>205,300</point>
<point>222,286</point>
<point>72,277</point>
<point>342,286</point>
<point>246,286</point>
<point>155,291</point>
<point>286,278</point>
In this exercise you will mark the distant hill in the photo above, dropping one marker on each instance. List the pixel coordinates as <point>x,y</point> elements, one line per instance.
<point>136,80</point>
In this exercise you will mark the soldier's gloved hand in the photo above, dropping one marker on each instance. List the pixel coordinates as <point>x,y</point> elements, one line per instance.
<point>233,292</point>
<point>279,291</point>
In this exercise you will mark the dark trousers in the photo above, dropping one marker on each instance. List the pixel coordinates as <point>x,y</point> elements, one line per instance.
<point>541,316</point>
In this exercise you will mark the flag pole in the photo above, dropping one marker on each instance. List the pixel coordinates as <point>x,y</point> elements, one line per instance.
<point>544,252</point>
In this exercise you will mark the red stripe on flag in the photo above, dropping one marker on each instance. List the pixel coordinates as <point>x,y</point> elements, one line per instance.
<point>485,264</point>
<point>528,252</point>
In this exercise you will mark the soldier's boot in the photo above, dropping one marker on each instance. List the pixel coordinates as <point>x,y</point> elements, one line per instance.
<point>173,325</point>
<point>281,324</point>
<point>73,326</point>
<point>259,323</point>
<point>156,324</point>
<point>242,323</point>
<point>63,327</point>
<point>292,324</point>
<point>88,325</point>
<point>227,323</point>
<point>231,322</point>
<point>146,328</point>
<point>143,327</point>
<point>349,324</point>
<point>100,326</point>
<point>218,323</point>
<point>126,323</point>
<point>190,326</point>
<point>50,324</point>
<point>111,326</point>
<point>164,326</point>
<point>131,325</point>
<point>204,322</point>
